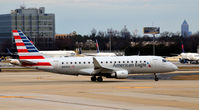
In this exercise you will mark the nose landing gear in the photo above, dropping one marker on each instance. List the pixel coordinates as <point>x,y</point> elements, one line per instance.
<point>156,77</point>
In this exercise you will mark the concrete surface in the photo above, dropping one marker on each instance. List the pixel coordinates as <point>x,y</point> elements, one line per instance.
<point>48,91</point>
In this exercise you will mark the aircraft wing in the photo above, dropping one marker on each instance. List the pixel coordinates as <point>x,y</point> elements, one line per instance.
<point>101,69</point>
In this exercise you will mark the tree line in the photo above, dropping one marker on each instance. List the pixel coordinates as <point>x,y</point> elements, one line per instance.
<point>166,44</point>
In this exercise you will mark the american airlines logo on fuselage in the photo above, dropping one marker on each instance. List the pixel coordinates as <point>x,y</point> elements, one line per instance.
<point>141,65</point>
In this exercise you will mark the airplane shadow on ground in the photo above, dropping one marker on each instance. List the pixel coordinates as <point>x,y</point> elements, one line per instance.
<point>66,82</point>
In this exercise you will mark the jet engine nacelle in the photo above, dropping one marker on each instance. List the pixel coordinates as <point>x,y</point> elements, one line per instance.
<point>14,62</point>
<point>123,74</point>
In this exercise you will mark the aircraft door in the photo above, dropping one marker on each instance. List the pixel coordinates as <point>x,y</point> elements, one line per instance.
<point>56,65</point>
<point>154,64</point>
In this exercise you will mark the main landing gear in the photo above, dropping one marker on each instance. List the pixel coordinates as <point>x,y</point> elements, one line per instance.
<point>99,79</point>
<point>156,77</point>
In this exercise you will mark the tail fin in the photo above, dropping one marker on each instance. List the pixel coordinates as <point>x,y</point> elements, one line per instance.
<point>28,54</point>
<point>182,45</point>
<point>97,46</point>
<point>26,49</point>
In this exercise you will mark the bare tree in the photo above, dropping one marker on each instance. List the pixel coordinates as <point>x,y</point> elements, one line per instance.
<point>93,32</point>
<point>125,32</point>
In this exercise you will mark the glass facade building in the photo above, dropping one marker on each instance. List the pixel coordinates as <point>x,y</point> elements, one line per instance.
<point>35,23</point>
<point>185,29</point>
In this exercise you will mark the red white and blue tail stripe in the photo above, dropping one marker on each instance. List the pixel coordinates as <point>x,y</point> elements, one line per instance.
<point>97,46</point>
<point>27,51</point>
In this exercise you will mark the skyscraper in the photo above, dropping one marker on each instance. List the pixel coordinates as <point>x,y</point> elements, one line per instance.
<point>185,29</point>
<point>35,23</point>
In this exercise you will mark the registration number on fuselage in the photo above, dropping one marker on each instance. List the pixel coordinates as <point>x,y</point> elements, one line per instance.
<point>65,66</point>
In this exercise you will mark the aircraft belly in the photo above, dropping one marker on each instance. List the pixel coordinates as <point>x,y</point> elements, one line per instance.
<point>76,70</point>
<point>45,68</point>
<point>140,70</point>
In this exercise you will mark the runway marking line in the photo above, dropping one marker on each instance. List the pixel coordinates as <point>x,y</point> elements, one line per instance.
<point>16,97</point>
<point>133,87</point>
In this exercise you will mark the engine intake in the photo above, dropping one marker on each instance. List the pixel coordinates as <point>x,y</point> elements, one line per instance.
<point>123,74</point>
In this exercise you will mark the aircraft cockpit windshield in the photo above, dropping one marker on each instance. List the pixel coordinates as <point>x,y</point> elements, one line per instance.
<point>163,60</point>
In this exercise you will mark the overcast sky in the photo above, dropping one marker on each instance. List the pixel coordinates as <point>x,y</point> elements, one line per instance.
<point>84,15</point>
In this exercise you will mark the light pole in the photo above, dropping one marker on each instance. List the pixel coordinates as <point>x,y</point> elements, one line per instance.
<point>110,42</point>
<point>153,31</point>
<point>153,44</point>
<point>110,35</point>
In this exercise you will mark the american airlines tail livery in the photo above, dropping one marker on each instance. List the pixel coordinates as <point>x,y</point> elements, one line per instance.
<point>97,67</point>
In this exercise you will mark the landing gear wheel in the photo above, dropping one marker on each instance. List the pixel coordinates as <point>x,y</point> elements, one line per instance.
<point>99,79</point>
<point>93,78</point>
<point>156,77</point>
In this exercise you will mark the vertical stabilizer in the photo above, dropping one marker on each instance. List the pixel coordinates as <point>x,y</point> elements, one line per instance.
<point>182,46</point>
<point>28,54</point>
<point>97,46</point>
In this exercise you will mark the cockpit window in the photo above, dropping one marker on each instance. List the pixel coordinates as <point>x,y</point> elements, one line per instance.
<point>163,60</point>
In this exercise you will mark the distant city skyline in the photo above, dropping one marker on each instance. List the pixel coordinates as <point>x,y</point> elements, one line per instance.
<point>84,15</point>
<point>185,29</point>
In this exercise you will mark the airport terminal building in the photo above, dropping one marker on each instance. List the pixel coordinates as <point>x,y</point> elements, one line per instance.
<point>35,23</point>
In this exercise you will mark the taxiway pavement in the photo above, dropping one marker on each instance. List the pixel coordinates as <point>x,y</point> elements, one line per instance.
<point>48,91</point>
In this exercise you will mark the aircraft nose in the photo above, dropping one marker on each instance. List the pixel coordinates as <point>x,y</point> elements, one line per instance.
<point>174,67</point>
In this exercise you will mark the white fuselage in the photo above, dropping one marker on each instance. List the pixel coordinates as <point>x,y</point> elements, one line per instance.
<point>190,56</point>
<point>100,54</point>
<point>58,53</point>
<point>132,64</point>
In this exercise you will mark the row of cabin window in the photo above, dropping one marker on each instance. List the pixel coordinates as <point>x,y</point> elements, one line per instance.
<point>105,62</point>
